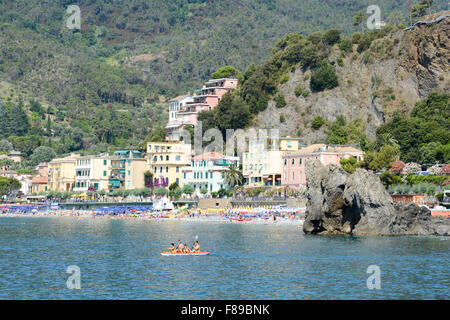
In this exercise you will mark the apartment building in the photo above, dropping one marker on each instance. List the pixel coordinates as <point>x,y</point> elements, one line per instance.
<point>61,173</point>
<point>294,164</point>
<point>262,164</point>
<point>166,159</point>
<point>206,171</point>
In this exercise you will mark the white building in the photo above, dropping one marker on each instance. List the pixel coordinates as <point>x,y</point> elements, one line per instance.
<point>206,171</point>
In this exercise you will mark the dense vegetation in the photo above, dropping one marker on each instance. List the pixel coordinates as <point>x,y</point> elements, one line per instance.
<point>103,87</point>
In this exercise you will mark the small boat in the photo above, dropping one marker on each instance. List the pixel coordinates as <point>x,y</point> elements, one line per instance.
<point>81,219</point>
<point>242,219</point>
<point>201,253</point>
<point>149,219</point>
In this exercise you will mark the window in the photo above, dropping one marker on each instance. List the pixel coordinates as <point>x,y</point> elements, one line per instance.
<point>104,173</point>
<point>155,158</point>
<point>104,162</point>
<point>300,161</point>
<point>178,169</point>
<point>178,181</point>
<point>293,161</point>
<point>177,158</point>
<point>161,158</point>
<point>285,161</point>
<point>167,169</point>
<point>129,172</point>
<point>167,158</point>
<point>206,175</point>
<point>293,175</point>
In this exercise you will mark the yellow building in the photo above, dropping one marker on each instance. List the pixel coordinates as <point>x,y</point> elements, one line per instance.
<point>262,164</point>
<point>127,170</point>
<point>165,160</point>
<point>61,173</point>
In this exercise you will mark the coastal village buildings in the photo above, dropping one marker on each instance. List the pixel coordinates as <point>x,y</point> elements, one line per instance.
<point>165,160</point>
<point>262,164</point>
<point>61,173</point>
<point>127,169</point>
<point>184,110</point>
<point>206,171</point>
<point>294,168</point>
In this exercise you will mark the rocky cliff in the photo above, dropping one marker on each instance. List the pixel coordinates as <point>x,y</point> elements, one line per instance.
<point>396,72</point>
<point>358,204</point>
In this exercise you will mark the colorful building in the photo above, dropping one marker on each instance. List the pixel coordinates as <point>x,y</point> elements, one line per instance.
<point>127,169</point>
<point>61,173</point>
<point>184,110</point>
<point>206,171</point>
<point>92,173</point>
<point>165,160</point>
<point>262,164</point>
<point>294,164</point>
<point>39,183</point>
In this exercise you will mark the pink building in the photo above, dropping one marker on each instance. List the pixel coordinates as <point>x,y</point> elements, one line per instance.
<point>184,110</point>
<point>294,165</point>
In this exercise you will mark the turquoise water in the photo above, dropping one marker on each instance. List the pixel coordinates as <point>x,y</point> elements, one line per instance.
<point>119,259</point>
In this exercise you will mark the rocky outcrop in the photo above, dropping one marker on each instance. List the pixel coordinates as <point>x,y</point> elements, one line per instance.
<point>358,204</point>
<point>393,75</point>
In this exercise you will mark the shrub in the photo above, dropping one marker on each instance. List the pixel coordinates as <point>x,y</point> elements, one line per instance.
<point>298,90</point>
<point>282,118</point>
<point>324,77</point>
<point>346,45</point>
<point>284,78</point>
<point>318,122</point>
<point>279,101</point>
<point>332,36</point>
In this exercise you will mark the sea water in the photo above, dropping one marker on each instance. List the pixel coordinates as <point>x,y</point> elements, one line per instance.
<point>120,259</point>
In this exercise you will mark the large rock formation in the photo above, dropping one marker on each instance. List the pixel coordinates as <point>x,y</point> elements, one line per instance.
<point>358,204</point>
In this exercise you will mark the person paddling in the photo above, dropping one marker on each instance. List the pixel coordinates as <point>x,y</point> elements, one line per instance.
<point>172,248</point>
<point>196,247</point>
<point>180,248</point>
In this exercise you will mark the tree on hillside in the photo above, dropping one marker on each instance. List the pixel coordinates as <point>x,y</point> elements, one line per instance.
<point>5,146</point>
<point>227,72</point>
<point>232,113</point>
<point>42,154</point>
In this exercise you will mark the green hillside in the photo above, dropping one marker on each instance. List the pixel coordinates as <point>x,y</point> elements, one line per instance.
<point>105,86</point>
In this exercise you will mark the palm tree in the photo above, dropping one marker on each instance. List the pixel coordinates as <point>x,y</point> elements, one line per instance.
<point>232,176</point>
<point>387,139</point>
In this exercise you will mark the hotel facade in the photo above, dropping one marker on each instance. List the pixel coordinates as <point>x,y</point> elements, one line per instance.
<point>183,110</point>
<point>206,171</point>
<point>166,160</point>
<point>262,164</point>
<point>294,165</point>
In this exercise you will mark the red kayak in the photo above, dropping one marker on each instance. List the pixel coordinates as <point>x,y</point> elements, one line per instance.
<point>242,219</point>
<point>201,253</point>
